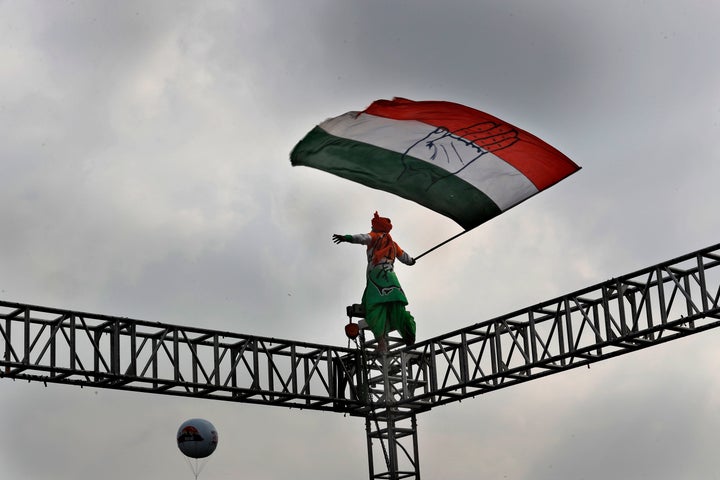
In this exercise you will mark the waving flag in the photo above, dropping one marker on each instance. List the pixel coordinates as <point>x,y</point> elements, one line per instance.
<point>453,159</point>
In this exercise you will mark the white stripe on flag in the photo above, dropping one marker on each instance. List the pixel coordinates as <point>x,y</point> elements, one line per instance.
<point>497,179</point>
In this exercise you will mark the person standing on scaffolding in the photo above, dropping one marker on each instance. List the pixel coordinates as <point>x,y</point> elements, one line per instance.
<point>383,299</point>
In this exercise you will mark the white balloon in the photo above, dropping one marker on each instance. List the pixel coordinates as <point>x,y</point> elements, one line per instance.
<point>197,438</point>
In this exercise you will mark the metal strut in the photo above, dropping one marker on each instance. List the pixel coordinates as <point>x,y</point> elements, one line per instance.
<point>389,425</point>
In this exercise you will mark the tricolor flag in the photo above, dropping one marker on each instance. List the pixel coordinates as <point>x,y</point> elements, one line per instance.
<point>453,159</point>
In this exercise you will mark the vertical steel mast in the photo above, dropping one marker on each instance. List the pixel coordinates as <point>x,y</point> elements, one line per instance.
<point>391,426</point>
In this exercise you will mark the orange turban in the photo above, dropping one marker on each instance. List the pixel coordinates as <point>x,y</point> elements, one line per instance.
<point>381,224</point>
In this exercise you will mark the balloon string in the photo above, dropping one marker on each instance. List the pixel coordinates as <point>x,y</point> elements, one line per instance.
<point>441,244</point>
<point>203,463</point>
<point>194,467</point>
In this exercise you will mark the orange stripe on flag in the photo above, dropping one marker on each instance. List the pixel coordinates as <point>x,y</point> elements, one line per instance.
<point>540,162</point>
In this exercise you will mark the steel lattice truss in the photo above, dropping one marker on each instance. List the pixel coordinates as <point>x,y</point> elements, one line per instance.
<point>652,306</point>
<point>61,346</point>
<point>648,307</point>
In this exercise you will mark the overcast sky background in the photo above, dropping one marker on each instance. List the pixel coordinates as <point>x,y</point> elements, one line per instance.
<point>144,172</point>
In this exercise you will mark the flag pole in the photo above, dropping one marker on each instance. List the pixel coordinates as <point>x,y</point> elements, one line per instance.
<point>441,244</point>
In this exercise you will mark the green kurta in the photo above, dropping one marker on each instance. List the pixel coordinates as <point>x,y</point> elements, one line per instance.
<point>384,302</point>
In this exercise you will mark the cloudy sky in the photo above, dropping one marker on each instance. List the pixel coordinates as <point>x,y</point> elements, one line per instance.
<point>144,172</point>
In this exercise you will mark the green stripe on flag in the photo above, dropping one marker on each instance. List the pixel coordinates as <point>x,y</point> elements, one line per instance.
<point>408,177</point>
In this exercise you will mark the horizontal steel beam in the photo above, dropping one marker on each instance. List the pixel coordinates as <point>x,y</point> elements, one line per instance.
<point>666,301</point>
<point>670,300</point>
<point>63,346</point>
